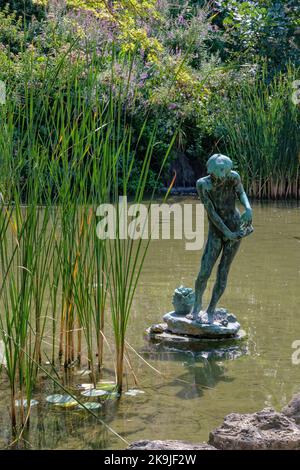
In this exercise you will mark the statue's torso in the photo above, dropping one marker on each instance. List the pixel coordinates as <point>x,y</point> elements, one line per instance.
<point>223,196</point>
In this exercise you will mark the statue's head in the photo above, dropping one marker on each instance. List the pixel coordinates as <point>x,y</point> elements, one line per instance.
<point>219,166</point>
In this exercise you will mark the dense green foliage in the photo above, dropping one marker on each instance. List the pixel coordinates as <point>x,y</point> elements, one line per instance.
<point>265,30</point>
<point>25,9</point>
<point>186,57</point>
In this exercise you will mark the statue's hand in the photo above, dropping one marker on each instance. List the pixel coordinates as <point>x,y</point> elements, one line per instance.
<point>234,236</point>
<point>246,217</point>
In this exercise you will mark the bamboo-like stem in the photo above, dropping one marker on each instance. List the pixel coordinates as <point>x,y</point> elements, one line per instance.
<point>13,408</point>
<point>100,340</point>
<point>79,342</point>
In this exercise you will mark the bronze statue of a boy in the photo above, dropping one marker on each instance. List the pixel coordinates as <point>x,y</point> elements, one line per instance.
<point>218,192</point>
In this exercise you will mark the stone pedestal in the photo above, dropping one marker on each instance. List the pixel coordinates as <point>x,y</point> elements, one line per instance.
<point>225,325</point>
<point>214,341</point>
<point>179,331</point>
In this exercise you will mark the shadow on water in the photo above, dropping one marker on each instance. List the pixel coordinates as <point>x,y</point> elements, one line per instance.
<point>203,369</point>
<point>202,375</point>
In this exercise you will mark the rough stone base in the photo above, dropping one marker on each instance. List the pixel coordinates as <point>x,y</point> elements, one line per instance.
<point>266,429</point>
<point>168,445</point>
<point>159,339</point>
<point>292,409</point>
<point>225,325</point>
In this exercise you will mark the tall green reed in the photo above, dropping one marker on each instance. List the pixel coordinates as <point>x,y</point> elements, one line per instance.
<point>25,259</point>
<point>62,146</point>
<point>261,128</point>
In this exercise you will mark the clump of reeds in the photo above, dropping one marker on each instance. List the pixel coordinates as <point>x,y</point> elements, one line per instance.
<point>260,125</point>
<point>61,152</point>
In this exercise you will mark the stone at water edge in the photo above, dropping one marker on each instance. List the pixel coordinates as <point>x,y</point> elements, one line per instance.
<point>168,445</point>
<point>157,329</point>
<point>292,409</point>
<point>181,325</point>
<point>264,430</point>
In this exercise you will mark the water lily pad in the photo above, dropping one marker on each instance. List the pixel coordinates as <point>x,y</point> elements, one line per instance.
<point>134,392</point>
<point>25,403</point>
<point>94,393</point>
<point>92,405</point>
<point>54,398</point>
<point>86,386</point>
<point>108,386</point>
<point>65,401</point>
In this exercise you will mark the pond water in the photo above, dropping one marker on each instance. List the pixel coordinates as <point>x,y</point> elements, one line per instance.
<point>187,394</point>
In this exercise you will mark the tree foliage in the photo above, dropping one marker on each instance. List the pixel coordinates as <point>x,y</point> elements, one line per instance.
<point>267,29</point>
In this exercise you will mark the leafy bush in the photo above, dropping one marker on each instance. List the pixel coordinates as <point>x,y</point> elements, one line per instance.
<point>262,29</point>
<point>25,9</point>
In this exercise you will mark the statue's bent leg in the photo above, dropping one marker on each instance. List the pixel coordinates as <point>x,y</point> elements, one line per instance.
<point>229,251</point>
<point>211,253</point>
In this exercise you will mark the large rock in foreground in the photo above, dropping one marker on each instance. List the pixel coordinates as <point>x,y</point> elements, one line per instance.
<point>168,445</point>
<point>264,430</point>
<point>292,409</point>
<point>225,325</point>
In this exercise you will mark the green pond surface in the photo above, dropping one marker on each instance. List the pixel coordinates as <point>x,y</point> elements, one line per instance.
<point>190,393</point>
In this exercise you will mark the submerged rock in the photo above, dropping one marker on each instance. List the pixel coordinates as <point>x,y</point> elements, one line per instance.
<point>168,445</point>
<point>266,429</point>
<point>292,409</point>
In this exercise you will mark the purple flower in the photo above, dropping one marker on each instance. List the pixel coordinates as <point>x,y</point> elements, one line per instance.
<point>181,20</point>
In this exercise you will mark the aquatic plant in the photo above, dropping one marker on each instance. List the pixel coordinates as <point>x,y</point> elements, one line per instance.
<point>61,151</point>
<point>260,126</point>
